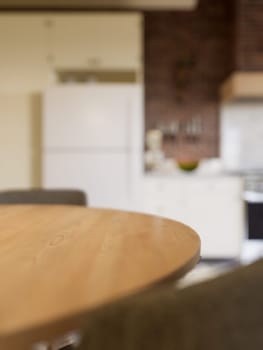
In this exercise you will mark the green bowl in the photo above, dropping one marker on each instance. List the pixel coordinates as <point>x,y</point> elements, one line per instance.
<point>188,166</point>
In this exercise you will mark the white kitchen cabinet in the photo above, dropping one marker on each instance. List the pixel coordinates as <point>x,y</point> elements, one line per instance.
<point>23,58</point>
<point>92,116</point>
<point>107,41</point>
<point>33,46</point>
<point>93,141</point>
<point>104,177</point>
<point>241,136</point>
<point>212,205</point>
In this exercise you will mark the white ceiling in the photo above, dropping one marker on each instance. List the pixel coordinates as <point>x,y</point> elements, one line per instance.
<point>146,4</point>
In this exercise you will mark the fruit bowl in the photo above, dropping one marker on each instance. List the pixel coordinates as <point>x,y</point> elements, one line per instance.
<point>188,165</point>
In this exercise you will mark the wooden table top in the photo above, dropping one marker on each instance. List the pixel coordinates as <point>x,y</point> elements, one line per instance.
<point>59,262</point>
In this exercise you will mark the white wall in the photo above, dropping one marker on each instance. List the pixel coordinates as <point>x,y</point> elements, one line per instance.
<point>19,141</point>
<point>242,135</point>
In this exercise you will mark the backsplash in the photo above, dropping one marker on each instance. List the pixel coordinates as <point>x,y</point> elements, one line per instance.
<point>249,39</point>
<point>242,136</point>
<point>187,56</point>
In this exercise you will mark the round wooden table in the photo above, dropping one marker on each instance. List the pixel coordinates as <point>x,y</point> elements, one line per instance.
<point>59,262</point>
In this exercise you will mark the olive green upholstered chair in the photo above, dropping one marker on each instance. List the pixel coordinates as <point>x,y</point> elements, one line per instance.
<point>221,314</point>
<point>43,196</point>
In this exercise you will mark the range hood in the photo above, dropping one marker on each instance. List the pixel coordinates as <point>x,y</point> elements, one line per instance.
<point>125,4</point>
<point>243,86</point>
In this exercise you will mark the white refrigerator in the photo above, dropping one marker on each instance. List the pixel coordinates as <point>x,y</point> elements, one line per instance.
<point>93,141</point>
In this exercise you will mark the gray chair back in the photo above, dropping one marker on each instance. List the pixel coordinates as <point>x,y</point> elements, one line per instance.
<point>221,314</point>
<point>43,196</point>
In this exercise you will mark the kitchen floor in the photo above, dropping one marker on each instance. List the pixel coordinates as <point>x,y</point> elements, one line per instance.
<point>252,250</point>
<point>204,271</point>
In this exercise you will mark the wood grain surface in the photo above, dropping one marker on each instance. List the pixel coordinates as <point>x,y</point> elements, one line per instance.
<point>58,262</point>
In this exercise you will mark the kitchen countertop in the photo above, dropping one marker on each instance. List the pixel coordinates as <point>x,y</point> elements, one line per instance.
<point>206,168</point>
<point>190,175</point>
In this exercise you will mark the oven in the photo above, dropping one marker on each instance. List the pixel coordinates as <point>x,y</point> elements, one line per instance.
<point>254,215</point>
<point>252,248</point>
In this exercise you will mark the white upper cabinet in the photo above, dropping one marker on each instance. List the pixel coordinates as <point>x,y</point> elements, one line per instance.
<point>97,41</point>
<point>23,53</point>
<point>99,116</point>
<point>33,46</point>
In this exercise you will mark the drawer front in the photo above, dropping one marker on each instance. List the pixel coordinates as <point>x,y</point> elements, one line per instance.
<point>162,188</point>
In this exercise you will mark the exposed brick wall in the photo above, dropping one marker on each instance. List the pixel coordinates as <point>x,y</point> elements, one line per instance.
<point>249,35</point>
<point>187,56</point>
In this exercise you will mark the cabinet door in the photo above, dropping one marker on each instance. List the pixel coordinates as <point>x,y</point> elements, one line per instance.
<point>212,206</point>
<point>219,222</point>
<point>93,117</point>
<point>215,210</point>
<point>97,41</point>
<point>23,58</point>
<point>163,197</point>
<point>104,177</point>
